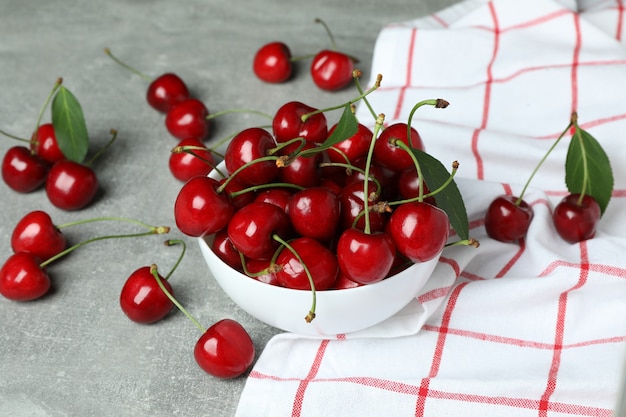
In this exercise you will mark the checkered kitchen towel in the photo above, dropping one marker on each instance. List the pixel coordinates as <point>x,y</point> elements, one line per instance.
<point>536,329</point>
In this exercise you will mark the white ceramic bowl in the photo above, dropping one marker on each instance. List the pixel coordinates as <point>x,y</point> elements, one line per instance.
<point>337,311</point>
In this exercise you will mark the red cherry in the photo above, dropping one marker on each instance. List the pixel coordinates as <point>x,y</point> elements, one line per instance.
<point>365,257</point>
<point>224,249</point>
<point>392,156</point>
<point>332,70</point>
<point>251,229</point>
<point>23,171</point>
<point>272,63</point>
<point>343,282</point>
<point>22,278</point>
<point>575,219</point>
<point>225,350</point>
<point>35,233</point>
<point>303,170</point>
<point>353,148</point>
<point>352,203</point>
<point>277,196</point>
<point>408,186</point>
<point>71,185</point>
<point>234,186</point>
<point>319,260</point>
<point>287,123</point>
<point>259,269</point>
<point>247,146</point>
<point>506,220</point>
<point>142,299</point>
<point>315,212</point>
<point>188,118</point>
<point>165,91</point>
<point>419,230</point>
<point>184,165</point>
<point>45,144</point>
<point>199,209</point>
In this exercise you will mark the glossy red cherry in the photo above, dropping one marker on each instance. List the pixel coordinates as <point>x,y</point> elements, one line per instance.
<point>241,198</point>
<point>275,195</point>
<point>185,165</point>
<point>199,209</point>
<point>225,350</point>
<point>352,149</point>
<point>251,229</point>
<point>365,257</point>
<point>507,220</point>
<point>262,271</point>
<point>142,299</point>
<point>352,201</point>
<point>249,145</point>
<point>71,185</point>
<point>272,63</point>
<point>408,186</point>
<point>224,249</point>
<point>343,282</point>
<point>576,219</point>
<point>419,230</point>
<point>302,170</point>
<point>35,233</point>
<point>287,123</point>
<point>188,119</point>
<point>22,170</point>
<point>332,70</point>
<point>392,156</point>
<point>319,260</point>
<point>22,278</point>
<point>165,91</point>
<point>45,144</point>
<point>315,212</point>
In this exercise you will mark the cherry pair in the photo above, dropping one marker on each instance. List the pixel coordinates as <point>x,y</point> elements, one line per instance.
<point>330,69</point>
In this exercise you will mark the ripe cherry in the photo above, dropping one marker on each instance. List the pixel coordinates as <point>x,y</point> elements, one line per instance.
<point>332,70</point>
<point>275,195</point>
<point>365,258</point>
<point>224,249</point>
<point>235,191</point>
<point>353,148</point>
<point>352,201</point>
<point>315,212</point>
<point>508,218</point>
<point>249,145</point>
<point>287,123</point>
<point>35,233</point>
<point>419,230</point>
<point>185,165</point>
<point>225,350</point>
<point>22,170</point>
<point>408,186</point>
<point>199,209</point>
<point>272,63</point>
<point>392,156</point>
<point>318,259</point>
<point>262,270</point>
<point>188,119</point>
<point>251,229</point>
<point>71,185</point>
<point>142,299</point>
<point>576,218</point>
<point>165,91</point>
<point>302,170</point>
<point>22,278</point>
<point>45,144</point>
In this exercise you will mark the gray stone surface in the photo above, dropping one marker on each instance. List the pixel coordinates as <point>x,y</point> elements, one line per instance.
<point>74,353</point>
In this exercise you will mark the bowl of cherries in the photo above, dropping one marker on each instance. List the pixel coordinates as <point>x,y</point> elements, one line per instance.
<point>322,231</point>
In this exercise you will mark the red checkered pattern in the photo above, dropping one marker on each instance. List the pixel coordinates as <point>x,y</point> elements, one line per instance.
<point>530,329</point>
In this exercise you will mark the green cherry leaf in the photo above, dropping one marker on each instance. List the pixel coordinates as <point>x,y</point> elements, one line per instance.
<point>449,199</point>
<point>69,125</point>
<point>346,127</point>
<point>588,169</point>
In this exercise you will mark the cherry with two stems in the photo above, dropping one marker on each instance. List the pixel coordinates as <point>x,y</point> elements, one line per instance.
<point>225,349</point>
<point>142,299</point>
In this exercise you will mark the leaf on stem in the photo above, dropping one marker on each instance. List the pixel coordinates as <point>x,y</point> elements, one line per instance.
<point>449,199</point>
<point>346,127</point>
<point>69,125</point>
<point>588,169</point>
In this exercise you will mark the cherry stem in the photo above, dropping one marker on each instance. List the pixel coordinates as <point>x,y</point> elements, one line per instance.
<point>467,242</point>
<point>223,112</point>
<point>265,186</point>
<point>455,167</point>
<point>155,273</point>
<point>327,29</point>
<point>104,148</point>
<point>410,150</point>
<point>311,315</point>
<point>8,135</point>
<point>154,230</point>
<point>376,85</point>
<point>172,242</point>
<point>543,159</point>
<point>350,167</point>
<point>241,168</point>
<point>368,163</point>
<point>125,65</point>
<point>356,75</point>
<point>578,136</point>
<point>190,150</point>
<point>110,218</point>
<point>56,86</point>
<point>438,103</point>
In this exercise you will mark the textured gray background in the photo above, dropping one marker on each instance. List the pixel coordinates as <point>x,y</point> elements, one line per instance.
<point>74,353</point>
